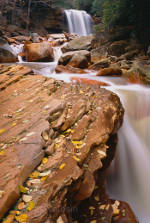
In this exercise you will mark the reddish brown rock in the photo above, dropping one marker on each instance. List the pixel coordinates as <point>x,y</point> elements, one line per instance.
<point>39,52</point>
<point>110,72</point>
<point>89,81</point>
<point>69,69</point>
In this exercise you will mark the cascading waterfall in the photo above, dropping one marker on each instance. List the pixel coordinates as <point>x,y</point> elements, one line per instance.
<point>79,22</point>
<point>130,180</point>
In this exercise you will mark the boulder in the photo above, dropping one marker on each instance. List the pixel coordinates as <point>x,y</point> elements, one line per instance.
<point>69,69</point>
<point>100,64</point>
<point>99,54</point>
<point>111,71</point>
<point>38,52</point>
<point>78,61</point>
<point>79,43</point>
<point>117,48</point>
<point>6,53</point>
<point>66,57</point>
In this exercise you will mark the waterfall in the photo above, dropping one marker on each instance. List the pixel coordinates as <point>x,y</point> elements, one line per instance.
<point>130,180</point>
<point>79,22</point>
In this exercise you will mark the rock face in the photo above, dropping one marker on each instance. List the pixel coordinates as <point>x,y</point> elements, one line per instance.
<point>39,52</point>
<point>81,121</point>
<point>77,141</point>
<point>79,43</point>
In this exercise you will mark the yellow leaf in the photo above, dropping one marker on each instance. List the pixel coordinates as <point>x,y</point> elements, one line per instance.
<point>22,189</point>
<point>2,130</point>
<point>22,218</point>
<point>9,219</point>
<point>44,178</point>
<point>81,92</point>
<point>30,206</point>
<point>44,160</point>
<point>35,174</point>
<point>62,135</point>
<point>14,124</point>
<point>76,158</point>
<point>62,166</point>
<point>56,146</point>
<point>2,152</point>
<point>77,142</point>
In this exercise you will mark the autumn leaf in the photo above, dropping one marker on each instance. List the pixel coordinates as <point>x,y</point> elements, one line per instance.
<point>22,189</point>
<point>35,174</point>
<point>76,158</point>
<point>77,142</point>
<point>30,206</point>
<point>62,166</point>
<point>2,152</point>
<point>14,124</point>
<point>2,130</point>
<point>21,218</point>
<point>44,178</point>
<point>44,160</point>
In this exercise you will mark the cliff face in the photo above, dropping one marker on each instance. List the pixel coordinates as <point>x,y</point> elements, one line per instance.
<point>19,19</point>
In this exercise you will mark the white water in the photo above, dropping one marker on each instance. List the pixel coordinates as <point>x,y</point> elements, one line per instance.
<point>130,180</point>
<point>79,22</point>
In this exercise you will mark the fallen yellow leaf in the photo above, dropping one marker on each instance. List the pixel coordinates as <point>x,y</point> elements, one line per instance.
<point>2,130</point>
<point>9,218</point>
<point>30,206</point>
<point>77,142</point>
<point>62,166</point>
<point>14,124</point>
<point>22,218</point>
<point>44,178</point>
<point>44,160</point>
<point>22,189</point>
<point>76,158</point>
<point>35,174</point>
<point>2,152</point>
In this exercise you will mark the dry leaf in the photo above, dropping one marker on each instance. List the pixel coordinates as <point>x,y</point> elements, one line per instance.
<point>2,130</point>
<point>76,158</point>
<point>44,160</point>
<point>23,189</point>
<point>62,166</point>
<point>9,218</point>
<point>22,218</point>
<point>44,178</point>
<point>2,152</point>
<point>77,142</point>
<point>2,192</point>
<point>35,174</point>
<point>30,206</point>
<point>14,124</point>
<point>21,206</point>
<point>26,198</point>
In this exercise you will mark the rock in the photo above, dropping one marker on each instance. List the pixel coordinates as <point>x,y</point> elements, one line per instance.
<point>66,57</point>
<point>80,139</point>
<point>117,48</point>
<point>7,56</point>
<point>111,71</point>
<point>79,43</point>
<point>69,69</point>
<point>6,53</point>
<point>99,54</point>
<point>78,61</point>
<point>87,81</point>
<point>100,64</point>
<point>148,51</point>
<point>35,37</point>
<point>129,55</point>
<point>39,52</point>
<point>139,72</point>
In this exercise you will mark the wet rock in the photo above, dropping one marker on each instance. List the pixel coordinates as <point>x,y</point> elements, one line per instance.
<point>35,37</point>
<point>6,53</point>
<point>139,72</point>
<point>78,61</point>
<point>39,52</point>
<point>87,81</point>
<point>69,69</point>
<point>77,157</point>
<point>79,43</point>
<point>100,64</point>
<point>117,48</point>
<point>111,71</point>
<point>99,54</point>
<point>66,57</point>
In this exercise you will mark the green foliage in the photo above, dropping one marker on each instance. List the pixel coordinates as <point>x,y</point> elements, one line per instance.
<point>83,5</point>
<point>97,7</point>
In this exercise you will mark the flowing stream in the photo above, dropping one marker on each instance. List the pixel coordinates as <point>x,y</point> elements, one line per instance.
<point>130,171</point>
<point>79,22</point>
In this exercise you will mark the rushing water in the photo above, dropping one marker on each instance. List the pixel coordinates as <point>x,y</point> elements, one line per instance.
<point>79,22</point>
<point>130,171</point>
